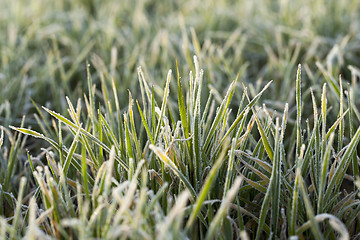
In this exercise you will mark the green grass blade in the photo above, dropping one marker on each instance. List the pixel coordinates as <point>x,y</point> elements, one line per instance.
<point>265,165</point>
<point>295,201</point>
<point>337,123</point>
<point>128,147</point>
<point>263,213</point>
<point>343,165</point>
<point>309,211</point>
<point>341,112</point>
<point>84,172</point>
<point>298,111</point>
<point>163,105</point>
<point>133,128</point>
<point>219,115</point>
<point>330,80</point>
<point>17,213</point>
<point>12,159</point>
<point>36,135</point>
<point>145,124</point>
<point>276,181</point>
<point>229,172</point>
<point>181,102</point>
<point>265,140</point>
<point>256,171</point>
<point>71,152</point>
<point>162,156</point>
<point>324,172</point>
<point>196,129</point>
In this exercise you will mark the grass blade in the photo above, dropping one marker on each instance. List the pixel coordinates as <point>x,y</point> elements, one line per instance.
<point>309,211</point>
<point>162,156</point>
<point>298,111</point>
<point>71,152</point>
<point>181,103</point>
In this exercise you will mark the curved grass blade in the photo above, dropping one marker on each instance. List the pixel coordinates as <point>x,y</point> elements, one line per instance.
<point>36,135</point>
<point>337,123</point>
<point>162,156</point>
<point>265,140</point>
<point>71,152</point>
<point>334,222</point>
<point>343,165</point>
<point>266,166</point>
<point>163,105</point>
<point>330,80</point>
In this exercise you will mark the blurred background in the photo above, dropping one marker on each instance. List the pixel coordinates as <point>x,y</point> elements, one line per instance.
<point>44,46</point>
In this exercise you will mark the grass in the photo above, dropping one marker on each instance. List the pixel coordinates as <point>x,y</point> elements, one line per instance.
<point>200,120</point>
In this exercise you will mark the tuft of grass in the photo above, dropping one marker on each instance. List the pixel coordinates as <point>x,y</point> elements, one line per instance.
<point>176,160</point>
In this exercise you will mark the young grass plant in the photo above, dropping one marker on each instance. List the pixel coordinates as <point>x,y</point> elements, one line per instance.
<point>180,160</point>
<point>75,163</point>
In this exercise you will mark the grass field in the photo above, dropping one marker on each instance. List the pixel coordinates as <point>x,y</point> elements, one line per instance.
<point>147,119</point>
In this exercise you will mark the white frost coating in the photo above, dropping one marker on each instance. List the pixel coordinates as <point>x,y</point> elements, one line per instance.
<point>2,136</point>
<point>176,212</point>
<point>139,69</point>
<point>244,235</point>
<point>197,67</point>
<point>333,221</point>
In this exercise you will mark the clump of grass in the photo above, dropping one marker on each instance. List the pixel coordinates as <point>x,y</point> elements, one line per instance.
<point>108,175</point>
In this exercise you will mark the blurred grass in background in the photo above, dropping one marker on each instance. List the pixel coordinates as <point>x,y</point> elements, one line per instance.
<point>261,40</point>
